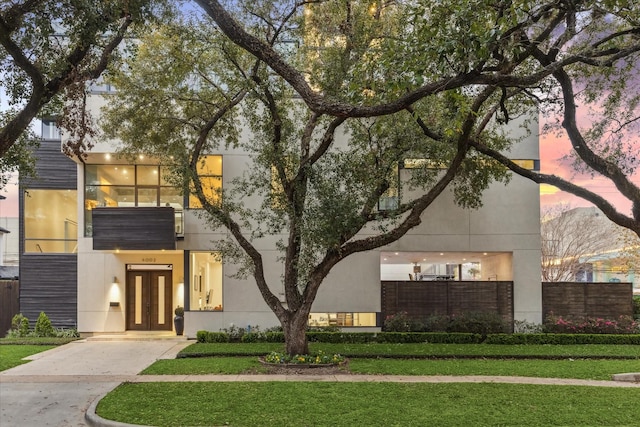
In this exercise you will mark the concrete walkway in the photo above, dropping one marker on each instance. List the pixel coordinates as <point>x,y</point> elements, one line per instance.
<point>60,385</point>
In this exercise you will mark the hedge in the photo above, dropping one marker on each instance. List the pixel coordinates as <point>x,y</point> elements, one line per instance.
<point>428,337</point>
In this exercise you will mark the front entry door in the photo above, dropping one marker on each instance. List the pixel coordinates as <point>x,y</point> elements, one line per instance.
<point>149,300</point>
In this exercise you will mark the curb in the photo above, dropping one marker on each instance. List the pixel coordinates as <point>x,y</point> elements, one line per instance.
<point>628,377</point>
<point>94,420</point>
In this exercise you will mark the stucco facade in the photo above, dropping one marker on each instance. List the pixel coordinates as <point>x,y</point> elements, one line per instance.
<point>502,237</point>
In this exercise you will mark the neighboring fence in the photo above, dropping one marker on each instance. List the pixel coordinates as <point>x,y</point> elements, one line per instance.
<point>9,303</point>
<point>421,299</point>
<point>606,300</point>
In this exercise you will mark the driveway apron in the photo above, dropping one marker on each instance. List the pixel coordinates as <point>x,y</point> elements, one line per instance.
<point>58,385</point>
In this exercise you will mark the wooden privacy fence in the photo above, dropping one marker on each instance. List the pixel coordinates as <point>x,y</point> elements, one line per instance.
<point>421,299</point>
<point>9,303</point>
<point>578,299</point>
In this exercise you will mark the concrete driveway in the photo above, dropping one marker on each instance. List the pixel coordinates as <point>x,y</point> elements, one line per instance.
<point>58,385</point>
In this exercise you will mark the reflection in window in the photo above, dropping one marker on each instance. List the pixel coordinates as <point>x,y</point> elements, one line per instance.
<point>391,198</point>
<point>210,173</point>
<point>50,130</point>
<point>342,319</point>
<point>50,221</point>
<point>206,281</point>
<point>129,186</point>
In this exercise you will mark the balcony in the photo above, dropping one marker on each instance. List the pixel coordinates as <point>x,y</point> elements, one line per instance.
<point>135,228</point>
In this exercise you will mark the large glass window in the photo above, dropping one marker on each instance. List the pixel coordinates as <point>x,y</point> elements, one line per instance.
<point>128,186</point>
<point>50,221</point>
<point>210,173</point>
<point>342,319</point>
<point>206,281</point>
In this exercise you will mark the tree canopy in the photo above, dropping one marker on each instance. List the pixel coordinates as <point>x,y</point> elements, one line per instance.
<point>316,182</point>
<point>570,58</point>
<point>49,49</point>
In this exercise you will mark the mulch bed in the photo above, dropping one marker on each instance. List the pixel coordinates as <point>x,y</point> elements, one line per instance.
<point>296,369</point>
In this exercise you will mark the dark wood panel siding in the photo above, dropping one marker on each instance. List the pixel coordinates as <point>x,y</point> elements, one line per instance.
<point>142,228</point>
<point>423,299</point>
<point>607,300</point>
<point>9,303</point>
<point>53,168</point>
<point>48,282</point>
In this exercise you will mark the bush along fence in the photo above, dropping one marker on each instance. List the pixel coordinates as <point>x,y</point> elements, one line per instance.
<point>43,328</point>
<point>469,328</point>
<point>428,337</point>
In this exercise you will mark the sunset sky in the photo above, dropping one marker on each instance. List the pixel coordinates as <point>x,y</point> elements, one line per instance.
<point>552,151</point>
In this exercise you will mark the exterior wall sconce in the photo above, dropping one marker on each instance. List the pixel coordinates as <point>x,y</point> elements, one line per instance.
<point>114,293</point>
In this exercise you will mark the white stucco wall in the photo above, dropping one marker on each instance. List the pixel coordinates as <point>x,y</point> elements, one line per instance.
<point>508,223</point>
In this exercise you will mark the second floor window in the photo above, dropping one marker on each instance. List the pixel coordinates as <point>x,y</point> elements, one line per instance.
<point>210,173</point>
<point>128,186</point>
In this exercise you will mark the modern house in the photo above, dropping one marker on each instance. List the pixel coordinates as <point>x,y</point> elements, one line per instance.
<point>109,246</point>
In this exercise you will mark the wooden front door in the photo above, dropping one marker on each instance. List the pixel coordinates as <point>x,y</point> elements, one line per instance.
<point>149,300</point>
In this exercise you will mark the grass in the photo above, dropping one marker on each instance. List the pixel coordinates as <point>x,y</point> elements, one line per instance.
<point>12,355</point>
<point>370,404</point>
<point>204,365</point>
<point>426,350</point>
<point>594,369</point>
<point>591,369</point>
<point>36,341</point>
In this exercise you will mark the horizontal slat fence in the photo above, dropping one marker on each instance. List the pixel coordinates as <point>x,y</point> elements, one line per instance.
<point>578,299</point>
<point>421,299</point>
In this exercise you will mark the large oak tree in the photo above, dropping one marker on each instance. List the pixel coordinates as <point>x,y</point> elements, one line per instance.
<point>322,187</point>
<point>567,55</point>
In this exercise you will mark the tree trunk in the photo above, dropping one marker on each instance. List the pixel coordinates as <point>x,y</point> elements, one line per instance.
<point>295,334</point>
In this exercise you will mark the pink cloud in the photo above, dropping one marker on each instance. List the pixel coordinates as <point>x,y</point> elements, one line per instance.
<point>553,149</point>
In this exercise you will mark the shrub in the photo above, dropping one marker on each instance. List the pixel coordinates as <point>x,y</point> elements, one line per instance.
<point>437,323</point>
<point>427,337</point>
<point>19,326</point>
<point>482,323</point>
<point>236,333</point>
<point>591,325</point>
<point>525,327</point>
<point>66,333</point>
<point>44,328</point>
<point>320,358</point>
<point>274,336</point>
<point>253,337</point>
<point>469,322</point>
<point>208,337</point>
<point>636,307</point>
<point>562,339</point>
<point>401,322</point>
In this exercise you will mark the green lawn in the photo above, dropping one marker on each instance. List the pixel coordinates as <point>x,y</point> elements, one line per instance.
<point>11,355</point>
<point>592,369</point>
<point>369,404</point>
<point>426,350</point>
<point>595,369</point>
